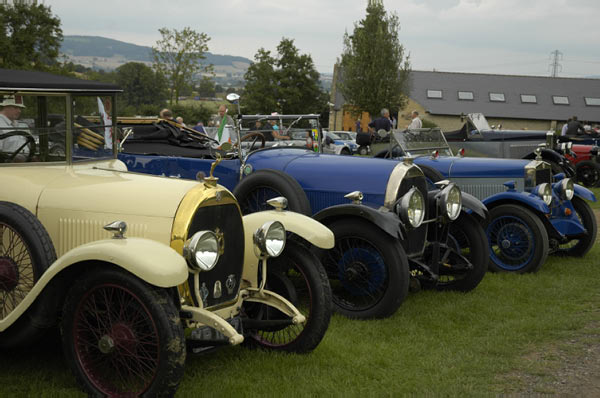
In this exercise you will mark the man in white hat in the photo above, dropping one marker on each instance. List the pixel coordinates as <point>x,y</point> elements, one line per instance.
<point>10,111</point>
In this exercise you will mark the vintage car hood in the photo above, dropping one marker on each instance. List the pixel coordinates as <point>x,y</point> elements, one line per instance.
<point>329,173</point>
<point>94,189</point>
<point>456,167</point>
<point>515,134</point>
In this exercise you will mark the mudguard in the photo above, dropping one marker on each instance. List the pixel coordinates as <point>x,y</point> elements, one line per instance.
<point>530,200</point>
<point>584,193</point>
<point>386,220</point>
<point>474,205</point>
<point>151,261</point>
<point>299,224</point>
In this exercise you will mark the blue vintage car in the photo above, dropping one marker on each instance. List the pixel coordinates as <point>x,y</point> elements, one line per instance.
<point>390,228</point>
<point>532,213</point>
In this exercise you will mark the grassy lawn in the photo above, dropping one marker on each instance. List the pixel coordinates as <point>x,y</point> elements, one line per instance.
<point>596,205</point>
<point>437,344</point>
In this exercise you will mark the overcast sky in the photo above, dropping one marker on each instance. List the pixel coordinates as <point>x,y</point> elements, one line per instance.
<point>478,36</point>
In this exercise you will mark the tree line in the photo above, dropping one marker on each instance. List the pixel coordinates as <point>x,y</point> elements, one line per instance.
<point>374,67</point>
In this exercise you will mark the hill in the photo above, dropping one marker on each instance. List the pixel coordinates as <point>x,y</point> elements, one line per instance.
<point>103,53</point>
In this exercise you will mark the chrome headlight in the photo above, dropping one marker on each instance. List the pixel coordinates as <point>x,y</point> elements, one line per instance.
<point>412,208</point>
<point>202,251</point>
<point>451,201</point>
<point>269,240</point>
<point>545,192</point>
<point>567,189</point>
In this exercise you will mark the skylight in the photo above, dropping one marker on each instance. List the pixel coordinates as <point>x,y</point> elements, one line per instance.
<point>497,97</point>
<point>560,100</point>
<point>465,95</point>
<point>590,101</point>
<point>434,93</point>
<point>528,99</point>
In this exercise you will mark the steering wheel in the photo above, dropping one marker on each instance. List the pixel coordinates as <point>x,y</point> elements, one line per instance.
<point>29,141</point>
<point>255,136</point>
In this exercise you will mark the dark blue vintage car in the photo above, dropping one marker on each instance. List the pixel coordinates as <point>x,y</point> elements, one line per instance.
<point>390,228</point>
<point>532,213</point>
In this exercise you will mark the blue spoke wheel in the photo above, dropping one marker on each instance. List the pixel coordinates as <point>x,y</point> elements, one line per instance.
<point>517,238</point>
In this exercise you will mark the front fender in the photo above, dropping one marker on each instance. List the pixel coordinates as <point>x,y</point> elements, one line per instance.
<point>386,220</point>
<point>475,206</point>
<point>584,193</point>
<point>151,261</point>
<point>527,199</point>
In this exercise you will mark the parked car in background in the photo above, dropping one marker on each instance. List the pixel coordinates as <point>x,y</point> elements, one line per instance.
<point>136,269</point>
<point>389,227</point>
<point>532,213</point>
<point>346,135</point>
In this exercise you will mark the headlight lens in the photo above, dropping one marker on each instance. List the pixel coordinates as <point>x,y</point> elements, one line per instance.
<point>545,192</point>
<point>269,240</point>
<point>202,251</point>
<point>567,188</point>
<point>412,208</point>
<point>452,201</point>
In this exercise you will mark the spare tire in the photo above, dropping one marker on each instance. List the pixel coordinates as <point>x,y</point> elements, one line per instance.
<point>254,190</point>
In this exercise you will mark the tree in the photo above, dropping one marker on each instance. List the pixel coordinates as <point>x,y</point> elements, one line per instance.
<point>206,87</point>
<point>30,37</point>
<point>141,85</point>
<point>177,56</point>
<point>375,70</point>
<point>288,83</point>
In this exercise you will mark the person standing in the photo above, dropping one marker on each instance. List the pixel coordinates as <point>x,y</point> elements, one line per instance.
<point>416,123</point>
<point>381,123</point>
<point>224,124</point>
<point>10,112</point>
<point>166,114</point>
<point>358,126</point>
<point>574,127</point>
<point>565,126</point>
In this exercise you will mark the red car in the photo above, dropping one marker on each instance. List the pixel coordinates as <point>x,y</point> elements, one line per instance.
<point>586,159</point>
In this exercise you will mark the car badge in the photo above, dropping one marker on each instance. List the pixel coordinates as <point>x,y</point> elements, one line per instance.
<point>204,293</point>
<point>247,169</point>
<point>217,290</point>
<point>219,196</point>
<point>220,241</point>
<point>230,283</point>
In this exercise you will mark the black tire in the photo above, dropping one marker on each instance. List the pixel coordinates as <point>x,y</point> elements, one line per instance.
<point>580,247</point>
<point>122,337</point>
<point>468,238</point>
<point>517,238</point>
<point>345,152</point>
<point>26,252</point>
<point>254,190</point>
<point>363,150</point>
<point>432,174</point>
<point>298,276</point>
<point>588,173</point>
<point>367,270</point>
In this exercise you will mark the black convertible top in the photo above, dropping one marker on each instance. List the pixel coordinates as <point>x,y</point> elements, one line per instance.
<point>24,80</point>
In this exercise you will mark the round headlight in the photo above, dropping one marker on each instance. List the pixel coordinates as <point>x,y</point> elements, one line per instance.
<point>202,251</point>
<point>452,201</point>
<point>567,188</point>
<point>412,208</point>
<point>269,240</point>
<point>545,192</point>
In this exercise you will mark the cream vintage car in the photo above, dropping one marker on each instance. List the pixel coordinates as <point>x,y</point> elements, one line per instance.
<point>137,270</point>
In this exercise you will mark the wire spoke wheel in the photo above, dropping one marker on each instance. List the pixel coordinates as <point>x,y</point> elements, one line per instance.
<point>256,200</point>
<point>116,340</point>
<point>357,272</point>
<point>511,242</point>
<point>16,269</point>
<point>298,276</point>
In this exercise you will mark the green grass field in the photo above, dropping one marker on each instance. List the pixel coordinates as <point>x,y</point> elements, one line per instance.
<point>447,344</point>
<point>596,205</point>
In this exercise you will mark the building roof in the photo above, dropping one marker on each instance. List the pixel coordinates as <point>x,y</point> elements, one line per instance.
<point>540,107</point>
<point>21,80</point>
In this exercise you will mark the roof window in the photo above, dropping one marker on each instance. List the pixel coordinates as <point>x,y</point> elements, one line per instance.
<point>434,93</point>
<point>497,97</point>
<point>465,95</point>
<point>560,100</point>
<point>528,99</point>
<point>590,101</point>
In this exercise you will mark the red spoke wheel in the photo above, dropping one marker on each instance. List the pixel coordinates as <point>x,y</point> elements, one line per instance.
<point>298,276</point>
<point>26,252</point>
<point>122,336</point>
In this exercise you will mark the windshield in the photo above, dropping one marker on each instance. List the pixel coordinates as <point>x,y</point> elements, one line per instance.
<point>333,136</point>
<point>479,121</point>
<point>421,141</point>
